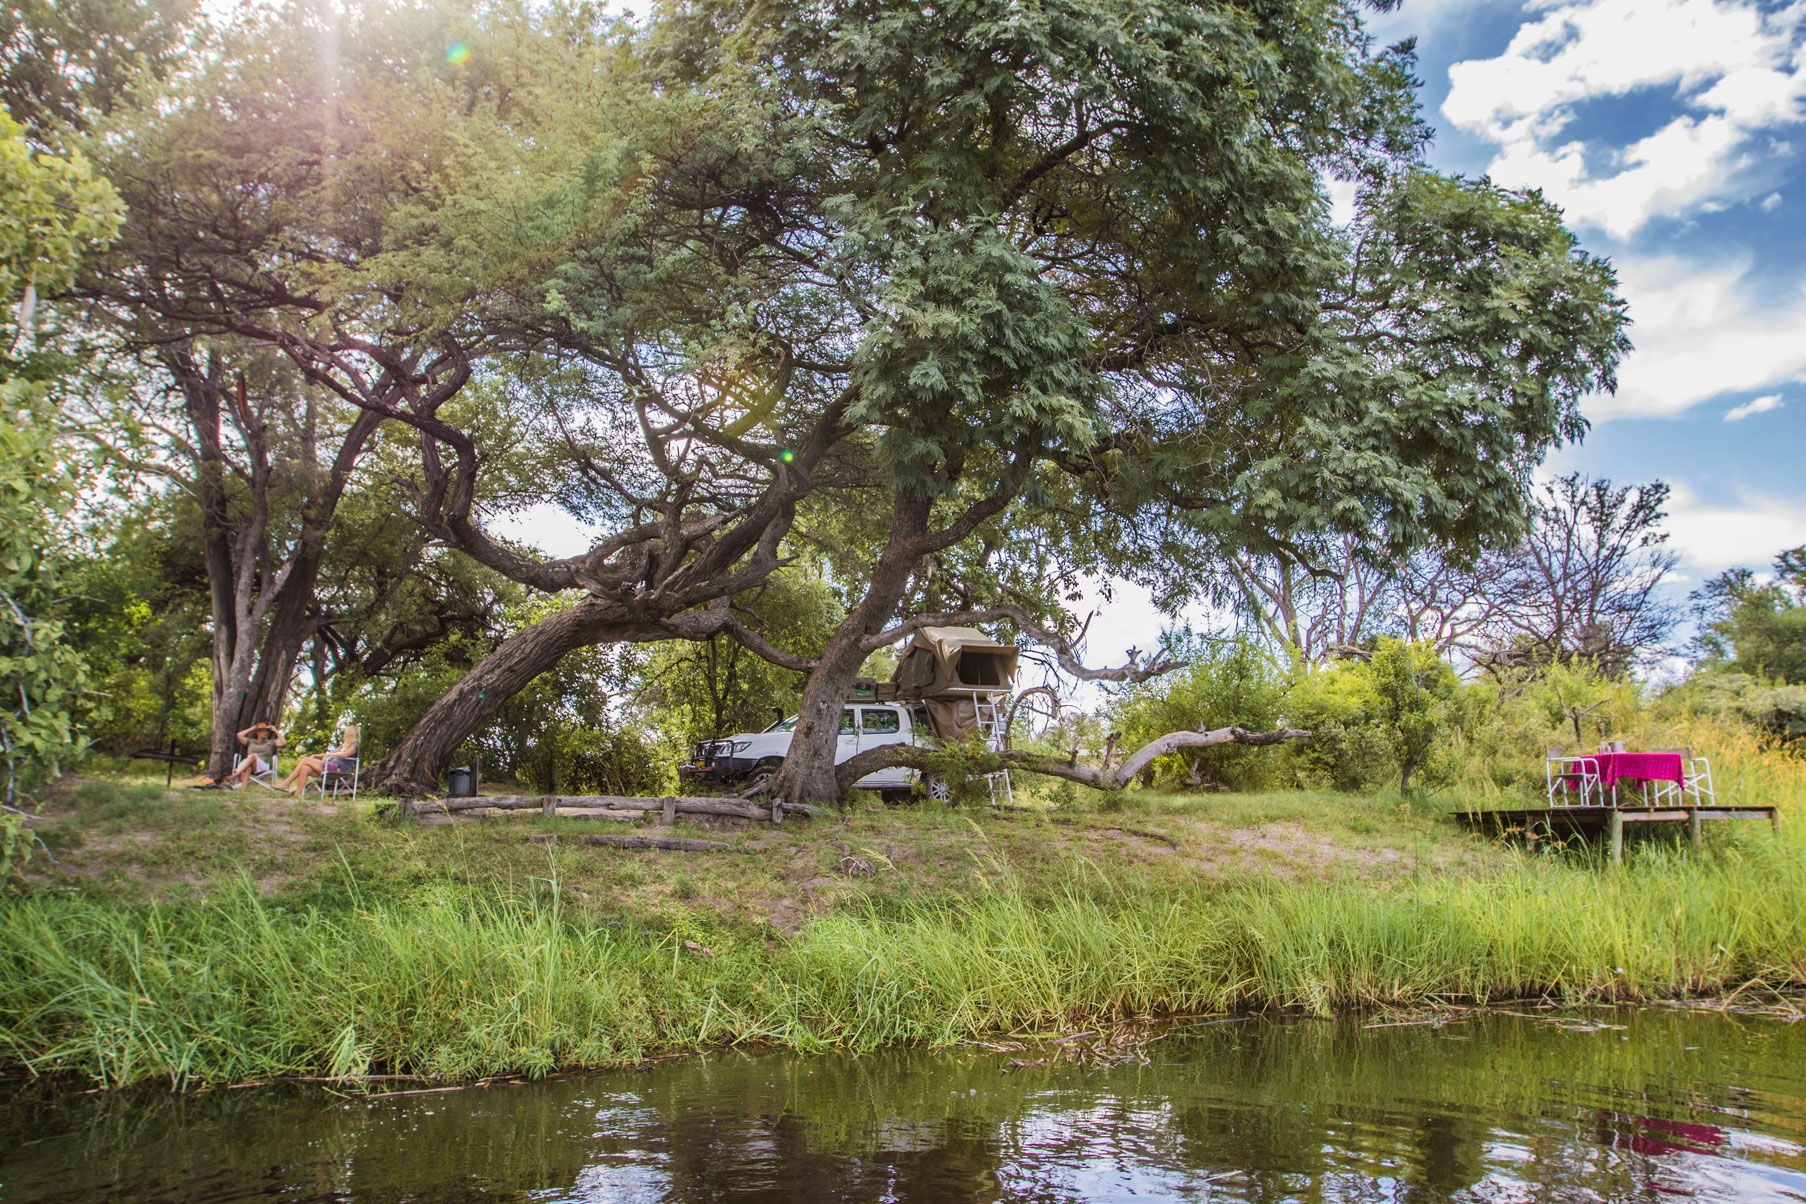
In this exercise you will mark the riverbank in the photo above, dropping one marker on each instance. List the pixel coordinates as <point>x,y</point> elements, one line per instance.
<point>211,938</point>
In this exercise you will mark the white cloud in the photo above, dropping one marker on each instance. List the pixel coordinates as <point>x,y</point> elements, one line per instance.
<point>1343,195</point>
<point>1750,532</point>
<point>1771,202</point>
<point>1734,70</point>
<point>1701,330</point>
<point>1760,405</point>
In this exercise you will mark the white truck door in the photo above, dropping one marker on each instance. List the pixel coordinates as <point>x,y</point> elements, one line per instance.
<point>849,735</point>
<point>879,726</point>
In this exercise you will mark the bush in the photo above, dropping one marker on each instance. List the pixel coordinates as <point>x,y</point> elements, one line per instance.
<point>1777,710</point>
<point>1227,683</point>
<point>587,761</point>
<point>1347,750</point>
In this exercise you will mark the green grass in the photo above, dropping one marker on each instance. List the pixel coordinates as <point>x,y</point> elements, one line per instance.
<point>456,985</point>
<point>199,937</point>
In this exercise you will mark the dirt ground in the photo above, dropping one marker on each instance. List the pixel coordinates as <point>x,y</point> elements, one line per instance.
<point>140,842</point>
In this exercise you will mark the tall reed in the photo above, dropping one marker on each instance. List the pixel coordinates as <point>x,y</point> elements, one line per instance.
<point>235,988</point>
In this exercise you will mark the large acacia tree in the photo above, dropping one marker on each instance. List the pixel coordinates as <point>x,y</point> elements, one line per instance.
<point>1089,239</point>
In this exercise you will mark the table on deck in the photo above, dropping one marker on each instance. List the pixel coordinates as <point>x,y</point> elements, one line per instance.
<point>1612,768</point>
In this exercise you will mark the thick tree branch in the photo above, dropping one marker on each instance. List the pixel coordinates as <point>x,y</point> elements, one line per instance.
<point>1062,647</point>
<point>918,757</point>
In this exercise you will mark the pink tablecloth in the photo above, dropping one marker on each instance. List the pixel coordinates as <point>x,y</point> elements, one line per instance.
<point>1637,767</point>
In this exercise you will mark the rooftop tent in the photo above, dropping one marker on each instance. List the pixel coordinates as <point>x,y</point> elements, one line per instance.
<point>941,660</point>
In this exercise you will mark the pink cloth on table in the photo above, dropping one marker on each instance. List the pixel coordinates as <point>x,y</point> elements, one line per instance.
<point>1638,767</point>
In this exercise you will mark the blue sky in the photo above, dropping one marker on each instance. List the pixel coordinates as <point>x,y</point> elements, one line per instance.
<point>1673,135</point>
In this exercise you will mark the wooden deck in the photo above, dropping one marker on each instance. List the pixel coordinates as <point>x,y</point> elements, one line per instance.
<point>1609,820</point>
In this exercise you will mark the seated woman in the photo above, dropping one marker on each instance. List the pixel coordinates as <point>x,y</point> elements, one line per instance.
<point>261,740</point>
<point>337,761</point>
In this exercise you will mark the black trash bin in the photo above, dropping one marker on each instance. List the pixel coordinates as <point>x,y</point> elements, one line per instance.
<point>463,782</point>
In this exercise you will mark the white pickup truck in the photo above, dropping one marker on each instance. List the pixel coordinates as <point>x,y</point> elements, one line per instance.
<point>745,756</point>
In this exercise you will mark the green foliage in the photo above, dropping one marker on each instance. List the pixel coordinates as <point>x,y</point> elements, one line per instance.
<point>1337,703</point>
<point>596,760</point>
<point>65,61</point>
<point>706,690</point>
<point>1226,683</point>
<point>963,767</point>
<point>1389,714</point>
<point>55,211</point>
<point>1757,629</point>
<point>137,613</point>
<point>1412,686</point>
<point>1777,710</point>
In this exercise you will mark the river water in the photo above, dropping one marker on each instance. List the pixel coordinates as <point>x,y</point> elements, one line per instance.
<point>1622,1104</point>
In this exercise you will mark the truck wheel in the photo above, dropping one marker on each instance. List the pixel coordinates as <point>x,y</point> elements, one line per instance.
<point>938,788</point>
<point>760,773</point>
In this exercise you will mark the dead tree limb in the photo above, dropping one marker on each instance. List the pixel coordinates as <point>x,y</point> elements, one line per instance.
<point>676,844</point>
<point>988,761</point>
<point>732,808</point>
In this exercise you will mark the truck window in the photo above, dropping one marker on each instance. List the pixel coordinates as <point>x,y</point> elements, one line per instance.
<point>879,721</point>
<point>846,722</point>
<point>783,725</point>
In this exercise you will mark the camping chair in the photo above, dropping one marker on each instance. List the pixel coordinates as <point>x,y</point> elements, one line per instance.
<point>268,776</point>
<point>339,773</point>
<point>1570,776</point>
<point>1696,786</point>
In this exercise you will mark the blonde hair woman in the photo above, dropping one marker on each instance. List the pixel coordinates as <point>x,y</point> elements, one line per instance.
<point>319,763</point>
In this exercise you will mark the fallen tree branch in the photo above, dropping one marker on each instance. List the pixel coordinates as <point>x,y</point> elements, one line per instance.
<point>989,761</point>
<point>675,844</point>
<point>550,803</point>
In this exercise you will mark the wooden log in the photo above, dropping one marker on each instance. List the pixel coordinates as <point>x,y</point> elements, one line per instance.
<point>670,811</point>
<point>676,844</point>
<point>1617,829</point>
<point>1695,830</point>
<point>731,807</point>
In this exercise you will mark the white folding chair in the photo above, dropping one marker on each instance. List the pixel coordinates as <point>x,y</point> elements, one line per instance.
<point>268,776</point>
<point>1695,789</point>
<point>339,772</point>
<point>1571,781</point>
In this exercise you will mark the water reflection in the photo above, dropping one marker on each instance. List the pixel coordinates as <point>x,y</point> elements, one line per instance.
<point>1490,1108</point>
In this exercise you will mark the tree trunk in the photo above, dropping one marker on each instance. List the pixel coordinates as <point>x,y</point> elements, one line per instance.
<point>412,768</point>
<point>808,775</point>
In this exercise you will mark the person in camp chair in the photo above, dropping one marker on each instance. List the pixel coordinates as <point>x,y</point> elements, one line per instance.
<point>260,741</point>
<point>339,760</point>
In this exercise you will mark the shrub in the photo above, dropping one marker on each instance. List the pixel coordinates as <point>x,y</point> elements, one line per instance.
<point>1227,683</point>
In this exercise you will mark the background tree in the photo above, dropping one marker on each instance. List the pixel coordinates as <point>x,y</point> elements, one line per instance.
<point>63,64</point>
<point>1069,257</point>
<point>138,615</point>
<point>1756,627</point>
<point>1315,605</point>
<point>1586,582</point>
<point>1413,687</point>
<point>706,689</point>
